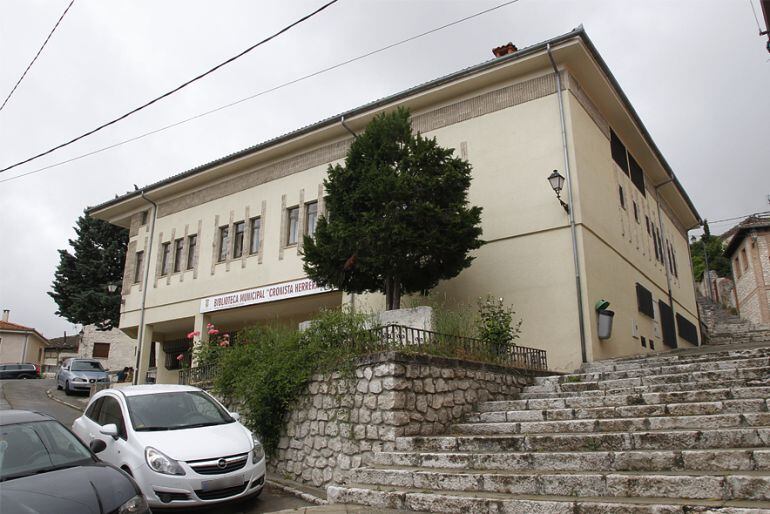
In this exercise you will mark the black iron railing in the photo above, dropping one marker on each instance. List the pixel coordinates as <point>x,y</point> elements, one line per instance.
<point>197,375</point>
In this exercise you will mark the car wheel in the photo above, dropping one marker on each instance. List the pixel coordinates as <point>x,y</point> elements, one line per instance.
<point>58,386</point>
<point>67,389</point>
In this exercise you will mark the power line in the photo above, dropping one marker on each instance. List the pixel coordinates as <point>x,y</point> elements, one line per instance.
<point>263,92</point>
<point>171,92</point>
<point>725,220</point>
<point>36,55</point>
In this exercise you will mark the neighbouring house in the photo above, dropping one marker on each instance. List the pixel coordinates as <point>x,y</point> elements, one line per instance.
<point>19,343</point>
<point>222,243</point>
<point>114,349</point>
<point>748,248</point>
<point>58,349</point>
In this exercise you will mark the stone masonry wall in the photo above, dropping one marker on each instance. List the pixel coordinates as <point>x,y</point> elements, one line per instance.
<point>339,421</point>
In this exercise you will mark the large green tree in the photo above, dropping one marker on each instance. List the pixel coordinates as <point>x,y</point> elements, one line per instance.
<point>82,278</point>
<point>718,261</point>
<point>399,219</point>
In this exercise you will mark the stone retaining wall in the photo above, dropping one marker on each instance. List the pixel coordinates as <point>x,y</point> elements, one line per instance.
<point>340,421</point>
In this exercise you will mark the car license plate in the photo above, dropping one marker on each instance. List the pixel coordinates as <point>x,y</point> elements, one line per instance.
<point>221,483</point>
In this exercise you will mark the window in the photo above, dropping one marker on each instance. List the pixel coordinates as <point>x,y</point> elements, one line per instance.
<point>165,263</point>
<point>667,324</point>
<point>256,226</point>
<point>240,230</point>
<point>636,212</point>
<point>293,225</point>
<point>744,259</point>
<point>673,261</point>
<point>224,242</point>
<point>139,261</point>
<point>101,350</point>
<point>111,413</point>
<point>192,242</point>
<point>93,410</point>
<point>637,175</point>
<point>622,197</point>
<point>686,329</point>
<point>647,222</point>
<point>737,267</point>
<point>178,254</point>
<point>644,301</point>
<point>618,152</point>
<point>655,243</point>
<point>311,217</point>
<point>143,218</point>
<point>644,342</point>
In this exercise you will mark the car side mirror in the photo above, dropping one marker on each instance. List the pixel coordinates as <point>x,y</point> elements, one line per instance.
<point>235,416</point>
<point>97,445</point>
<point>110,429</point>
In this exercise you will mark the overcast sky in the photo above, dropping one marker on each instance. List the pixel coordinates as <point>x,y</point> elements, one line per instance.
<point>696,71</point>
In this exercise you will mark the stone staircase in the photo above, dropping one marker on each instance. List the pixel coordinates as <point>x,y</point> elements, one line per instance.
<point>723,327</point>
<point>682,432</point>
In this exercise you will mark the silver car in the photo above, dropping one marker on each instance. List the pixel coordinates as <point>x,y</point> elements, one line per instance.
<point>79,374</point>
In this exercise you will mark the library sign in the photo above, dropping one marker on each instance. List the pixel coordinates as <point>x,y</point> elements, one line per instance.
<point>264,294</point>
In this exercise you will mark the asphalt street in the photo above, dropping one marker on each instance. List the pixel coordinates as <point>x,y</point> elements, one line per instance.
<point>31,395</point>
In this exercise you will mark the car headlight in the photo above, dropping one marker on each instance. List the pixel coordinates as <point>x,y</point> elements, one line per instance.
<point>136,505</point>
<point>78,379</point>
<point>257,451</point>
<point>162,463</point>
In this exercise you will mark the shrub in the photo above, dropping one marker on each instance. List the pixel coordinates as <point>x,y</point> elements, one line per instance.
<point>496,325</point>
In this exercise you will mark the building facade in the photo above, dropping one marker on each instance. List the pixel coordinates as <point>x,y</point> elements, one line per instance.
<point>222,243</point>
<point>748,247</point>
<point>19,343</point>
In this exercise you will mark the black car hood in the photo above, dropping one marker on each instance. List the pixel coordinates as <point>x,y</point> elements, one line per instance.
<point>78,490</point>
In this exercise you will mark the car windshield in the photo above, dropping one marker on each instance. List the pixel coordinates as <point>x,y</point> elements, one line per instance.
<point>87,366</point>
<point>175,411</point>
<point>37,447</point>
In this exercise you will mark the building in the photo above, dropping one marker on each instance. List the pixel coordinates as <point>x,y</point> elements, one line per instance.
<point>221,243</point>
<point>19,343</point>
<point>114,349</point>
<point>748,247</point>
<point>59,349</point>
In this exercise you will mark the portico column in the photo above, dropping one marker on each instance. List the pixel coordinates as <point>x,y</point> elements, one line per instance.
<point>144,356</point>
<point>199,325</point>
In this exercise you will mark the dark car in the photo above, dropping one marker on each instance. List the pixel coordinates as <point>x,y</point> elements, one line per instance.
<point>23,370</point>
<point>45,468</point>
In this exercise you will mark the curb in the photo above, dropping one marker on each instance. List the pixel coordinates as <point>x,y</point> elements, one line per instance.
<point>296,492</point>
<point>70,405</point>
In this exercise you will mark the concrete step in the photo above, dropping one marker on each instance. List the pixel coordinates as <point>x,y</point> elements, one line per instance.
<point>607,441</point>
<point>625,411</point>
<point>761,419</point>
<point>716,365</point>
<point>488,503</point>
<point>757,459</point>
<point>577,401</point>
<point>711,353</point>
<point>702,486</point>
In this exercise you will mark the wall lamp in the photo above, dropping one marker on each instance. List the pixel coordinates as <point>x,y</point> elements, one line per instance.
<point>557,183</point>
<point>112,288</point>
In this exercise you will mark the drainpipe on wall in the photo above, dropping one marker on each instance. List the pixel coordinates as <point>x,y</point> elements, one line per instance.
<point>573,226</point>
<point>355,136</point>
<point>145,285</point>
<point>666,264</point>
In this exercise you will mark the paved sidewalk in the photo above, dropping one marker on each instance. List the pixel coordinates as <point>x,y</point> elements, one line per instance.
<point>77,401</point>
<point>4,405</point>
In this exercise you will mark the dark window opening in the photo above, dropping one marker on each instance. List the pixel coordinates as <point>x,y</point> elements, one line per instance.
<point>687,330</point>
<point>644,342</point>
<point>178,254</point>
<point>636,212</point>
<point>644,301</point>
<point>166,259</point>
<point>667,324</point>
<point>637,175</point>
<point>618,152</point>
<point>622,197</point>
<point>101,350</point>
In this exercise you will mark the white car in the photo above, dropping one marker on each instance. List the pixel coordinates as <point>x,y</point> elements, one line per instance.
<point>181,446</point>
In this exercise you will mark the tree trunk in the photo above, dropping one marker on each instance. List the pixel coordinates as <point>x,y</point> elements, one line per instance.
<point>396,293</point>
<point>392,293</point>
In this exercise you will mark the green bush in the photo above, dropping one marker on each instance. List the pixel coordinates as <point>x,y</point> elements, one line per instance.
<point>496,325</point>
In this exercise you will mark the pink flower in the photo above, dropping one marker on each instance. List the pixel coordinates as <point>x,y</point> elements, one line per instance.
<point>213,331</point>
<point>180,357</point>
<point>193,334</point>
<point>226,336</point>
<point>209,325</point>
<point>224,344</point>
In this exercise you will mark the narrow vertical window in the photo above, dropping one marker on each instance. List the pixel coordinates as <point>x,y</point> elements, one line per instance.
<point>618,150</point>
<point>143,218</point>
<point>240,231</point>
<point>655,243</point>
<point>139,262</point>
<point>622,197</point>
<point>311,217</point>
<point>636,212</point>
<point>165,263</point>
<point>224,242</point>
<point>744,259</point>
<point>256,227</point>
<point>647,222</point>
<point>737,268</point>
<point>293,226</point>
<point>178,255</point>
<point>192,242</point>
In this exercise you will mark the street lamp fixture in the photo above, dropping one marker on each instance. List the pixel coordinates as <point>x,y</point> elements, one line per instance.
<point>112,288</point>
<point>557,183</point>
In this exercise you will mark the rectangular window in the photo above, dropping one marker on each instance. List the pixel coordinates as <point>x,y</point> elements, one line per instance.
<point>737,267</point>
<point>224,242</point>
<point>139,262</point>
<point>240,231</point>
<point>647,222</point>
<point>311,217</point>
<point>637,175</point>
<point>256,227</point>
<point>673,261</point>
<point>192,242</point>
<point>165,263</point>
<point>686,329</point>
<point>744,259</point>
<point>293,225</point>
<point>101,350</point>
<point>636,212</point>
<point>644,301</point>
<point>618,152</point>
<point>655,243</point>
<point>143,218</point>
<point>644,341</point>
<point>178,254</point>
<point>622,197</point>
<point>667,324</point>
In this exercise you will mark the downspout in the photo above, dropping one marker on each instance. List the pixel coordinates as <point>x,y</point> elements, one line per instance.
<point>573,226</point>
<point>666,260</point>
<point>355,136</point>
<point>342,121</point>
<point>144,287</point>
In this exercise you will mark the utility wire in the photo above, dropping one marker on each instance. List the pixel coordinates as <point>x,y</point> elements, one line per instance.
<point>171,92</point>
<point>737,217</point>
<point>263,92</point>
<point>36,55</point>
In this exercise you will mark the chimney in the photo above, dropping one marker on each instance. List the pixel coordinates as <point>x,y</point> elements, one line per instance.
<point>6,314</point>
<point>504,50</point>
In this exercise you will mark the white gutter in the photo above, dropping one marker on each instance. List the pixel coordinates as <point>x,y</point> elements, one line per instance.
<point>140,335</point>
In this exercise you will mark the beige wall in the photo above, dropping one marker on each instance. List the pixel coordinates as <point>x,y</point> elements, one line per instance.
<point>12,347</point>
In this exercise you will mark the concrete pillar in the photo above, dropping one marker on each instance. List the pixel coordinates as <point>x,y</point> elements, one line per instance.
<point>144,359</point>
<point>199,325</point>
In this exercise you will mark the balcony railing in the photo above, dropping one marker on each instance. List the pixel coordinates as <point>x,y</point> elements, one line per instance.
<point>197,375</point>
